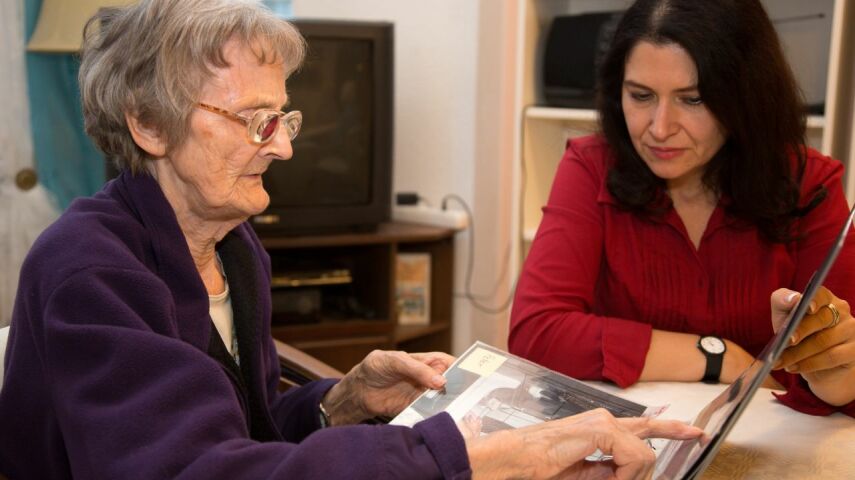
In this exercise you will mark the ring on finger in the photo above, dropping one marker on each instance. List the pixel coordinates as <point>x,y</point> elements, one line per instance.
<point>835,315</point>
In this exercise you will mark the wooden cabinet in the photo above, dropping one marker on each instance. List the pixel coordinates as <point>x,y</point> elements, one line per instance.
<point>817,36</point>
<point>334,295</point>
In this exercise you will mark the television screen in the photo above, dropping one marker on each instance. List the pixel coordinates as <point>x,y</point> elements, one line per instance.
<point>340,175</point>
<point>332,154</point>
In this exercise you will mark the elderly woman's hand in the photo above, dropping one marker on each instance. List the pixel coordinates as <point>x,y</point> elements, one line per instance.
<point>557,449</point>
<point>823,347</point>
<point>384,383</point>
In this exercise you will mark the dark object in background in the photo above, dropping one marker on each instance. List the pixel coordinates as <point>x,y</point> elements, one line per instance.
<point>406,198</point>
<point>308,305</point>
<point>296,305</point>
<point>340,178</point>
<point>575,45</point>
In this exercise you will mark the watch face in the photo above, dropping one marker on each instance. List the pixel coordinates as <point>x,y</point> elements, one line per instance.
<point>712,345</point>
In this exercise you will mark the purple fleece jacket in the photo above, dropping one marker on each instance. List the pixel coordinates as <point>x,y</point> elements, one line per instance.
<point>108,371</point>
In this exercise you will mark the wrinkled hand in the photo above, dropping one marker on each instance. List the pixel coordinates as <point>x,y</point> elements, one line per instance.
<point>384,383</point>
<point>470,426</point>
<point>824,354</point>
<point>557,449</point>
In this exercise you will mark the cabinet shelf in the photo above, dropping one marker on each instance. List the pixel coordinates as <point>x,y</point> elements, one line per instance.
<point>346,321</point>
<point>568,114</point>
<point>404,333</point>
<point>323,329</point>
<point>386,233</point>
<point>529,233</point>
<point>816,121</point>
<point>590,116</point>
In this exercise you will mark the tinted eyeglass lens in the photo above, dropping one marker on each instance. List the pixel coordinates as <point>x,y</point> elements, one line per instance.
<point>267,127</point>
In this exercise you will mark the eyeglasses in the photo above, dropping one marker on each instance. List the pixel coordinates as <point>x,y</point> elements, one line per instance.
<point>262,126</point>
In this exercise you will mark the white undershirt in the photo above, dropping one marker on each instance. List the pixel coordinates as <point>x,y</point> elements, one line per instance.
<point>222,315</point>
<point>220,309</point>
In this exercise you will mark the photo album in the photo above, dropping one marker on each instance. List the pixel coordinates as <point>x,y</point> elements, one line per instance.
<point>504,391</point>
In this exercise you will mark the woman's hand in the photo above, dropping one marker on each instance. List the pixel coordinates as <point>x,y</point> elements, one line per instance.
<point>558,448</point>
<point>823,347</point>
<point>736,361</point>
<point>384,383</point>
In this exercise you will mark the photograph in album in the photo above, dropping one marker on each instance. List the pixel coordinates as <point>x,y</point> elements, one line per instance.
<point>496,390</point>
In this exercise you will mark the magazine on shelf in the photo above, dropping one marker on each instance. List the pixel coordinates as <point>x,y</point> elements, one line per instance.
<point>412,288</point>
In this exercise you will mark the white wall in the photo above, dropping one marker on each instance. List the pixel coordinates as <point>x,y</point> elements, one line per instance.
<point>496,145</point>
<point>435,45</point>
<point>450,96</point>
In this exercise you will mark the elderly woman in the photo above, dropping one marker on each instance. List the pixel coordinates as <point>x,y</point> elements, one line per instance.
<point>140,345</point>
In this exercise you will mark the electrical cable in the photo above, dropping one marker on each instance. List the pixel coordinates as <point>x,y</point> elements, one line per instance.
<point>499,280</point>
<point>474,299</point>
<point>470,263</point>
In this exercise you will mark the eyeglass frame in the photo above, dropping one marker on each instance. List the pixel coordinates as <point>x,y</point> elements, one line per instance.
<point>284,118</point>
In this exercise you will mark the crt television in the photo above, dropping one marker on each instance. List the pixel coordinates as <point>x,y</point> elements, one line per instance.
<point>340,176</point>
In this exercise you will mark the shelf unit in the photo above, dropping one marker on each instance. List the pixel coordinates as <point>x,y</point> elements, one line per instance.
<point>544,130</point>
<point>343,339</point>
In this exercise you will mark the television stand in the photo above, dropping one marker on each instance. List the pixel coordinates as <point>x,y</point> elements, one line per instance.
<point>347,306</point>
<point>266,231</point>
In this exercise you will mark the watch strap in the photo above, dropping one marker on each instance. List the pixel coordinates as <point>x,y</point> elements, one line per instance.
<point>712,372</point>
<point>323,416</point>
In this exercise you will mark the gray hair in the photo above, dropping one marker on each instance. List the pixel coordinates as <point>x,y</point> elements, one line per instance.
<point>152,58</point>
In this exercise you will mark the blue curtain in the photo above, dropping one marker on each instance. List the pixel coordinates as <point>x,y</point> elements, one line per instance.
<point>282,7</point>
<point>68,163</point>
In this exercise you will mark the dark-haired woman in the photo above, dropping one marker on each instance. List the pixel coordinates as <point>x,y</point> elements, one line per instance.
<point>665,235</point>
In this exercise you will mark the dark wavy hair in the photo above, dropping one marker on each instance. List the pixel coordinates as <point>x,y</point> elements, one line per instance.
<point>748,86</point>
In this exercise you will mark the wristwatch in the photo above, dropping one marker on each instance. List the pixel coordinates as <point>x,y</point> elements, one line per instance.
<point>323,416</point>
<point>713,349</point>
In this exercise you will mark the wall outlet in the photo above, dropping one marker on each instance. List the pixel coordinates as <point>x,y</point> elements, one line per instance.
<point>455,219</point>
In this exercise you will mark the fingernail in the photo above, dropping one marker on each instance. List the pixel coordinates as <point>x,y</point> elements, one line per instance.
<point>792,369</point>
<point>791,296</point>
<point>438,380</point>
<point>793,340</point>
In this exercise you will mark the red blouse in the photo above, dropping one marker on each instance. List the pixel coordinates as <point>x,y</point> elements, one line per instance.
<point>598,279</point>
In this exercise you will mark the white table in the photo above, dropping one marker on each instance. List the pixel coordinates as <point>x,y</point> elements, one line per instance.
<point>769,441</point>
